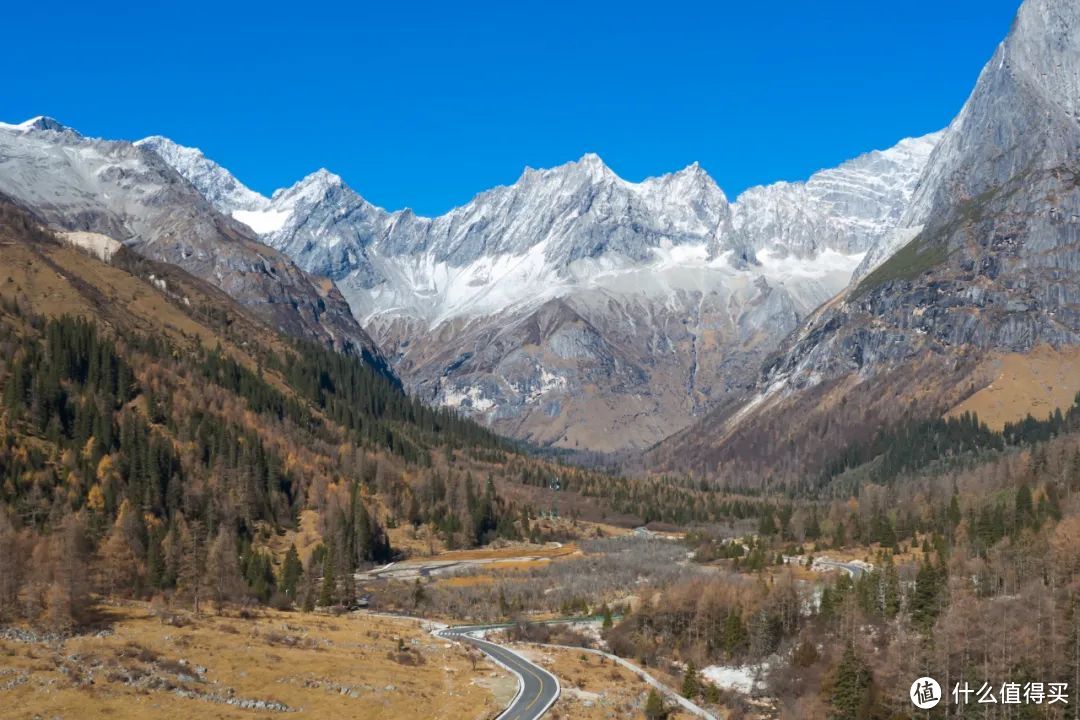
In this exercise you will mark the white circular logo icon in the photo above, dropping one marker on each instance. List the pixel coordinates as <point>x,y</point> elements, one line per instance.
<point>925,693</point>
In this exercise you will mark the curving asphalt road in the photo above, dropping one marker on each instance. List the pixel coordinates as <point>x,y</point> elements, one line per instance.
<point>850,568</point>
<point>537,688</point>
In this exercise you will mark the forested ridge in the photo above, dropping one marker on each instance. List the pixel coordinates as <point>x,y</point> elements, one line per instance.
<point>910,446</point>
<point>154,440</point>
<point>188,457</point>
<point>972,538</point>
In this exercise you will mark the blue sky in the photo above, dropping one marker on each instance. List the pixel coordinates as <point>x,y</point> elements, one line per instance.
<point>426,104</point>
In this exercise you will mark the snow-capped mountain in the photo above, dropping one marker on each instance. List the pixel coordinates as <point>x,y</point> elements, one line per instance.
<point>573,306</point>
<point>215,182</point>
<point>984,263</point>
<point>849,209</point>
<point>130,195</point>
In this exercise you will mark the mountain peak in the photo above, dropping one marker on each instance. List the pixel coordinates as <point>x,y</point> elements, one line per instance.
<point>44,122</point>
<point>592,163</point>
<point>693,172</point>
<point>173,152</point>
<point>321,178</point>
<point>313,188</point>
<point>217,184</point>
<point>160,141</point>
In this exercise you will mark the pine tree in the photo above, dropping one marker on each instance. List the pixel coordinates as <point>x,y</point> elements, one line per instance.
<point>890,603</point>
<point>291,572</point>
<point>156,574</point>
<point>813,525</point>
<point>850,691</point>
<point>654,706</point>
<point>735,635</point>
<point>954,510</point>
<point>690,681</point>
<point>1025,512</point>
<point>839,535</point>
<point>925,597</point>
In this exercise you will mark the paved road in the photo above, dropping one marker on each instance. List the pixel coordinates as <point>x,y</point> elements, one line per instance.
<point>852,569</point>
<point>537,688</point>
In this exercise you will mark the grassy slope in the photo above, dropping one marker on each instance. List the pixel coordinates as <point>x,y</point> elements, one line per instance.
<point>323,666</point>
<point>1035,383</point>
<point>908,263</point>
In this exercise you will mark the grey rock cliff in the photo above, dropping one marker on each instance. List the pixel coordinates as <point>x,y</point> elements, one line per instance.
<point>995,264</point>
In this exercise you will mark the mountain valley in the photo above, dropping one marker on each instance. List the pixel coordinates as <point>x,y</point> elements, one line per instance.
<point>580,447</point>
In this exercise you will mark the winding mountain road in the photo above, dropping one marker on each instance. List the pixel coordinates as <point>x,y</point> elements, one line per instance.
<point>537,688</point>
<point>850,568</point>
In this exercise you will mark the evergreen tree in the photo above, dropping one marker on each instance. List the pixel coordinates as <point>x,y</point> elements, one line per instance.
<point>954,510</point>
<point>850,691</point>
<point>690,685</point>
<point>890,593</point>
<point>654,706</point>
<point>291,572</point>
<point>925,597</point>
<point>1024,512</point>
<point>840,535</point>
<point>735,635</point>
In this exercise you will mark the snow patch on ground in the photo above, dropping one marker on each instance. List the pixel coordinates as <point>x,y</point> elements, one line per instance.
<point>471,397</point>
<point>739,679</point>
<point>548,382</point>
<point>437,292</point>
<point>262,221</point>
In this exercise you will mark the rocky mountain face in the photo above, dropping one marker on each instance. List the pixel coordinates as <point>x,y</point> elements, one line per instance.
<point>130,194</point>
<point>993,263</point>
<point>850,209</point>
<point>214,182</point>
<point>576,308</point>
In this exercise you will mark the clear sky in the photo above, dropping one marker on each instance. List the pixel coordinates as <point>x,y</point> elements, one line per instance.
<point>426,104</point>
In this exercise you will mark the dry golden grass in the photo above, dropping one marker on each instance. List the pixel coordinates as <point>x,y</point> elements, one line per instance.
<point>306,537</point>
<point>319,666</point>
<point>603,529</point>
<point>58,279</point>
<point>52,291</point>
<point>415,543</point>
<point>910,552</point>
<point>1037,383</point>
